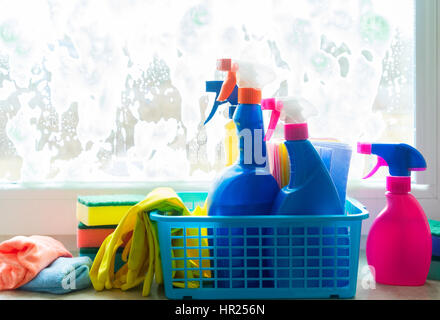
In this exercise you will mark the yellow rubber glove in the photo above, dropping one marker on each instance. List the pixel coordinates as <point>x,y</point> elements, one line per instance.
<point>191,242</point>
<point>140,238</point>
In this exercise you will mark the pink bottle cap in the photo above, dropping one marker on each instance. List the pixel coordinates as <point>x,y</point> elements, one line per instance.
<point>296,131</point>
<point>398,184</point>
<point>364,148</point>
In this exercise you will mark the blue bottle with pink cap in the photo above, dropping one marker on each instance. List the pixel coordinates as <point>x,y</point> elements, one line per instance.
<point>311,190</point>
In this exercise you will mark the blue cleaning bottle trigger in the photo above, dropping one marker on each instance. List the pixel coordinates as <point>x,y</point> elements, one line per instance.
<point>216,86</point>
<point>400,158</point>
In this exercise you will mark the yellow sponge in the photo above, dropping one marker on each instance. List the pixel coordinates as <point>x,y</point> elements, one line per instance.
<point>105,209</point>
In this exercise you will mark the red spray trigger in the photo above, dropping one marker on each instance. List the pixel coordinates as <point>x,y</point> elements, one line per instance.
<point>276,107</point>
<point>231,79</point>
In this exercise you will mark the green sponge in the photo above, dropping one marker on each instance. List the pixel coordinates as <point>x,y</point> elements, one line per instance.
<point>105,210</point>
<point>82,226</point>
<point>435,227</point>
<point>111,200</point>
<point>435,236</point>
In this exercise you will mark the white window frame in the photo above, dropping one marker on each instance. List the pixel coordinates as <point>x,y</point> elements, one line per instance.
<point>427,120</point>
<point>50,208</point>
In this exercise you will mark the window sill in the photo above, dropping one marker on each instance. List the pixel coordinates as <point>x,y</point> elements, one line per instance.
<point>358,189</point>
<point>49,208</point>
<point>363,292</point>
<point>59,190</point>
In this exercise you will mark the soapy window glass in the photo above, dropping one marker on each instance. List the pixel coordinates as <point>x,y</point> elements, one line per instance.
<point>115,90</point>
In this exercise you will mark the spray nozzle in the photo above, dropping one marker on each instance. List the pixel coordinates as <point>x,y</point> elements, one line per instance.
<point>400,158</point>
<point>215,86</point>
<point>289,109</point>
<point>250,78</point>
<point>231,79</point>
<point>274,106</point>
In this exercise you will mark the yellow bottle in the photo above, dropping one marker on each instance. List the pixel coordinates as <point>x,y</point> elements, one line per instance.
<point>231,143</point>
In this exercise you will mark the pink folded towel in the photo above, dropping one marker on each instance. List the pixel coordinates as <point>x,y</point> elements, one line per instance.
<point>22,258</point>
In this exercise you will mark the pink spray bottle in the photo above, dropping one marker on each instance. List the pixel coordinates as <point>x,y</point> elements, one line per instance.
<point>399,244</point>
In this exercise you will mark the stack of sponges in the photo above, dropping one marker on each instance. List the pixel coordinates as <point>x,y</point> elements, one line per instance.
<point>434,270</point>
<point>98,217</point>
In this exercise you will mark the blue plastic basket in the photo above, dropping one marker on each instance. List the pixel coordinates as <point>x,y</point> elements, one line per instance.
<point>308,256</point>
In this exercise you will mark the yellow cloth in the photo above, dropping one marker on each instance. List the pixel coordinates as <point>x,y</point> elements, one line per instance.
<point>142,247</point>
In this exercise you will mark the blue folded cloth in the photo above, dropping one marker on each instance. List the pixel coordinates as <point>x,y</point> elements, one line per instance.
<point>64,275</point>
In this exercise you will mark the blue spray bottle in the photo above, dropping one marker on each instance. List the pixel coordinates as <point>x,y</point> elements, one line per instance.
<point>247,187</point>
<point>311,190</point>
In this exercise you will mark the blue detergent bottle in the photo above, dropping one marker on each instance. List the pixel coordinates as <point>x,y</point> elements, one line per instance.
<point>245,188</point>
<point>311,190</point>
